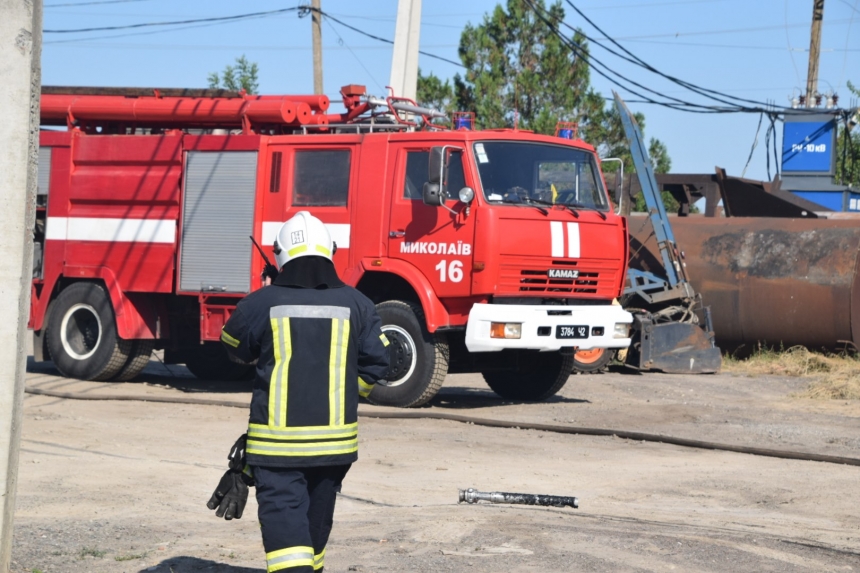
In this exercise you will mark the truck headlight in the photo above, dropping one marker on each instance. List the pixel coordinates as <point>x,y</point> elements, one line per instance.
<point>506,330</point>
<point>622,330</point>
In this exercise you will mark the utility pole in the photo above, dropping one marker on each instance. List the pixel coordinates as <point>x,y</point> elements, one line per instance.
<point>814,52</point>
<point>404,60</point>
<point>20,89</point>
<point>316,24</point>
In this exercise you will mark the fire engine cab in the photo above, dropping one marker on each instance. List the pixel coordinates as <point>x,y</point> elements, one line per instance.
<point>490,251</point>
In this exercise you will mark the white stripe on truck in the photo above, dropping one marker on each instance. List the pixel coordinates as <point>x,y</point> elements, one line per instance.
<point>112,230</point>
<point>557,231</point>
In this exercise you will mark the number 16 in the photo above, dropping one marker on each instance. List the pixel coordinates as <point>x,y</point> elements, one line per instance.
<point>455,271</point>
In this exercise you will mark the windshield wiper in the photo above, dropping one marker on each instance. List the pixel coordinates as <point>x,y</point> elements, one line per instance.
<point>572,207</point>
<point>536,203</point>
<point>587,208</point>
<point>573,211</point>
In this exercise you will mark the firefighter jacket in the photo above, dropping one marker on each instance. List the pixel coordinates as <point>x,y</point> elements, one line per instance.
<point>317,350</point>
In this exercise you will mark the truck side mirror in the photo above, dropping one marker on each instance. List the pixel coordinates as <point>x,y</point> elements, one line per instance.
<point>434,191</point>
<point>432,194</point>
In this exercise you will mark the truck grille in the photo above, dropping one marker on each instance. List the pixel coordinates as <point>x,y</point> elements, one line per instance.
<point>595,278</point>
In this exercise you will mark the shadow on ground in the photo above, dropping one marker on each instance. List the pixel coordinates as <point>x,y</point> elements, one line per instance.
<point>157,373</point>
<point>189,564</point>
<point>458,398</point>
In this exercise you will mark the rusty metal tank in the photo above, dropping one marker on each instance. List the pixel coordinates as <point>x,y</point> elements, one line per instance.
<point>773,280</point>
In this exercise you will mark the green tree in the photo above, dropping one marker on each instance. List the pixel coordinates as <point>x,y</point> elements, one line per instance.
<point>242,76</point>
<point>519,72</point>
<point>848,149</point>
<point>433,92</point>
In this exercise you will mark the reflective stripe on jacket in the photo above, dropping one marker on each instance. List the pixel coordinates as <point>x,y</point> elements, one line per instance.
<point>317,350</point>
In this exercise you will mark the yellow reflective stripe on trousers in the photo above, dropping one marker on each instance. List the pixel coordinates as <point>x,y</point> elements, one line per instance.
<point>364,388</point>
<point>280,373</point>
<point>319,560</point>
<point>384,340</point>
<point>337,371</point>
<point>302,432</point>
<point>229,339</point>
<point>331,448</point>
<point>299,556</point>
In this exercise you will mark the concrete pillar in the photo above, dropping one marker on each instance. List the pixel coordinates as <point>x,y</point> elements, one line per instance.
<point>316,24</point>
<point>404,60</point>
<point>20,87</point>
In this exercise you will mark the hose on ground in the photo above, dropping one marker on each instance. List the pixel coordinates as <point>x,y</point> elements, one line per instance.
<point>489,422</point>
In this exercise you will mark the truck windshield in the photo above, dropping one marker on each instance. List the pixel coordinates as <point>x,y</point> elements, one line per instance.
<point>515,172</point>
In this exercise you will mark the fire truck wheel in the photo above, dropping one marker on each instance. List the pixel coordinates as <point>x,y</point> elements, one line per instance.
<point>536,377</point>
<point>138,358</point>
<point>82,338</point>
<point>418,359</point>
<point>590,361</point>
<point>209,361</point>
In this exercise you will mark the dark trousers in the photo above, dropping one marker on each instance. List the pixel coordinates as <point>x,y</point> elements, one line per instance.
<point>296,509</point>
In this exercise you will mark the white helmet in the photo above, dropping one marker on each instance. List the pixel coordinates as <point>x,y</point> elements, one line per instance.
<point>302,236</point>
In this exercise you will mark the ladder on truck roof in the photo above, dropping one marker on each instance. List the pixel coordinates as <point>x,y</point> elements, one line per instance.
<point>116,110</point>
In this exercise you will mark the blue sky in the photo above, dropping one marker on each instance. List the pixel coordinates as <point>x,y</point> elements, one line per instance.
<point>756,49</point>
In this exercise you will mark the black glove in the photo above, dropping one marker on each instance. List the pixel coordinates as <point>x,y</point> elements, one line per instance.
<point>270,271</point>
<point>230,496</point>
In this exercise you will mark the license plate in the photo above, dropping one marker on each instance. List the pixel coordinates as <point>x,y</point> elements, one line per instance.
<point>571,331</point>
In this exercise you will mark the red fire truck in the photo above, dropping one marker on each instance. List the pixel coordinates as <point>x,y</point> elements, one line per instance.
<point>489,251</point>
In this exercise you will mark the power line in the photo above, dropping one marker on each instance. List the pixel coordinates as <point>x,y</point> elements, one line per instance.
<point>92,3</point>
<point>702,91</point>
<point>599,67</point>
<point>854,7</point>
<point>126,35</point>
<point>377,38</point>
<point>623,82</point>
<point>847,37</point>
<point>360,63</point>
<point>631,58</point>
<point>424,21</point>
<point>728,30</point>
<point>226,19</point>
<point>733,46</point>
<point>233,47</point>
<point>788,43</point>
<point>652,4</point>
<point>754,144</point>
<point>175,22</point>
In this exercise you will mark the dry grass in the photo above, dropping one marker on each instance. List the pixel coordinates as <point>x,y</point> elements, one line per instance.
<point>832,376</point>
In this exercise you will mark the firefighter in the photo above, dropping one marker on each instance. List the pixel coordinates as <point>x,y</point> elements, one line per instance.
<point>318,346</point>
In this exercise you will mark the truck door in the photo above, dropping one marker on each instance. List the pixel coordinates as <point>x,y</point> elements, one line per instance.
<point>439,243</point>
<point>317,179</point>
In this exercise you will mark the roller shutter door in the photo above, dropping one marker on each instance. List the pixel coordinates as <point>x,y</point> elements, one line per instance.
<point>217,219</point>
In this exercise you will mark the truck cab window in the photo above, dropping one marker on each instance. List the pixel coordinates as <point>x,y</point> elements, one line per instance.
<point>416,174</point>
<point>321,178</point>
<point>516,172</point>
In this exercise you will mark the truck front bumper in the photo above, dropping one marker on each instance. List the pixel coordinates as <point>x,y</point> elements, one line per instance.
<point>539,327</point>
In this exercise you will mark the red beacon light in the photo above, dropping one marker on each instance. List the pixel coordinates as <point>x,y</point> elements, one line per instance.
<point>566,129</point>
<point>464,120</point>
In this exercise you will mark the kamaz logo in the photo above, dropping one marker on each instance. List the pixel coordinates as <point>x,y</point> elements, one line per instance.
<point>563,274</point>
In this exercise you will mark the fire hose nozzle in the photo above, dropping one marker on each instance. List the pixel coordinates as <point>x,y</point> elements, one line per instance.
<point>471,495</point>
<point>407,108</point>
